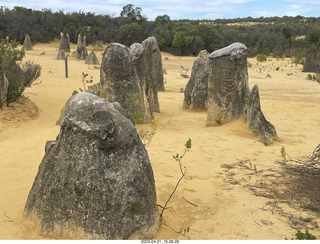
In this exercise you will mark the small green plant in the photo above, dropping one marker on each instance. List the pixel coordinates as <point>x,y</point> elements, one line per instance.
<point>253,166</point>
<point>147,135</point>
<point>86,82</point>
<point>185,231</point>
<point>178,158</point>
<point>304,236</point>
<point>133,103</point>
<point>261,57</point>
<point>283,154</point>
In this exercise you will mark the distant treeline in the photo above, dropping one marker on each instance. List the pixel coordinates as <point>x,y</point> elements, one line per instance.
<point>276,36</point>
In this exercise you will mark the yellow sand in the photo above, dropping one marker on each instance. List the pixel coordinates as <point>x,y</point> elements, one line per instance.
<point>222,211</point>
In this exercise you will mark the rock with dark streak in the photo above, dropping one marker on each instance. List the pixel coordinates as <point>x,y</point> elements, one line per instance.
<point>228,87</point>
<point>154,62</point>
<point>95,180</point>
<point>256,120</point>
<point>118,82</point>
<point>196,90</point>
<point>148,93</point>
<point>229,97</point>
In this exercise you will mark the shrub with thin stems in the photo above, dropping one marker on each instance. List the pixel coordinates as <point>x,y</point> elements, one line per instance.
<point>31,72</point>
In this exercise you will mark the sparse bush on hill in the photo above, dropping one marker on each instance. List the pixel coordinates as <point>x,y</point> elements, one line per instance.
<point>129,34</point>
<point>312,60</point>
<point>261,57</point>
<point>275,36</point>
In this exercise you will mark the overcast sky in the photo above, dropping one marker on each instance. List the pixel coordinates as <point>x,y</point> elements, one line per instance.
<point>181,9</point>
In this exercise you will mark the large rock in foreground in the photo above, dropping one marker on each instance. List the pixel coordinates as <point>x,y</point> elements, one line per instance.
<point>95,179</point>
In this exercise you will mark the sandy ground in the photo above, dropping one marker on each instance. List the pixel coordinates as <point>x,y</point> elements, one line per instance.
<point>205,202</point>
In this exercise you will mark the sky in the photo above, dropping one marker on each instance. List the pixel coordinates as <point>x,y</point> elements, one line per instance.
<point>181,9</point>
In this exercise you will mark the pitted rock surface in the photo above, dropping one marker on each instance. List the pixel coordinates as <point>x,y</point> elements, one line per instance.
<point>196,91</point>
<point>229,97</point>
<point>95,179</point>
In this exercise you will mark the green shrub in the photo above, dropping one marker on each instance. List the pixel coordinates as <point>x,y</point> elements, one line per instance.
<point>311,61</point>
<point>13,72</point>
<point>261,57</point>
<point>304,236</point>
<point>134,108</point>
<point>31,72</point>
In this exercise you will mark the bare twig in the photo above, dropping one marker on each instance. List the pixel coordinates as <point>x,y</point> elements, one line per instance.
<point>182,170</point>
<point>5,214</point>
<point>257,223</point>
<point>183,173</point>
<point>37,83</point>
<point>178,232</point>
<point>190,202</point>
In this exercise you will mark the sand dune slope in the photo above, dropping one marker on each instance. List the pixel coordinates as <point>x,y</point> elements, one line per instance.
<point>205,202</point>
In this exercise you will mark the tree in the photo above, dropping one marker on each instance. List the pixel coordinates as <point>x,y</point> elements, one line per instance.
<point>129,34</point>
<point>211,37</point>
<point>131,12</point>
<point>314,35</point>
<point>287,32</point>
<point>162,19</point>
<point>179,41</point>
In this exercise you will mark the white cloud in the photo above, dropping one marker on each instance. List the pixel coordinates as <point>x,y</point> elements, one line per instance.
<point>200,9</point>
<point>181,9</point>
<point>176,9</point>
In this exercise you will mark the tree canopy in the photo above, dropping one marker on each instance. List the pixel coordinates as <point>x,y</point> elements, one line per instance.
<point>277,36</point>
